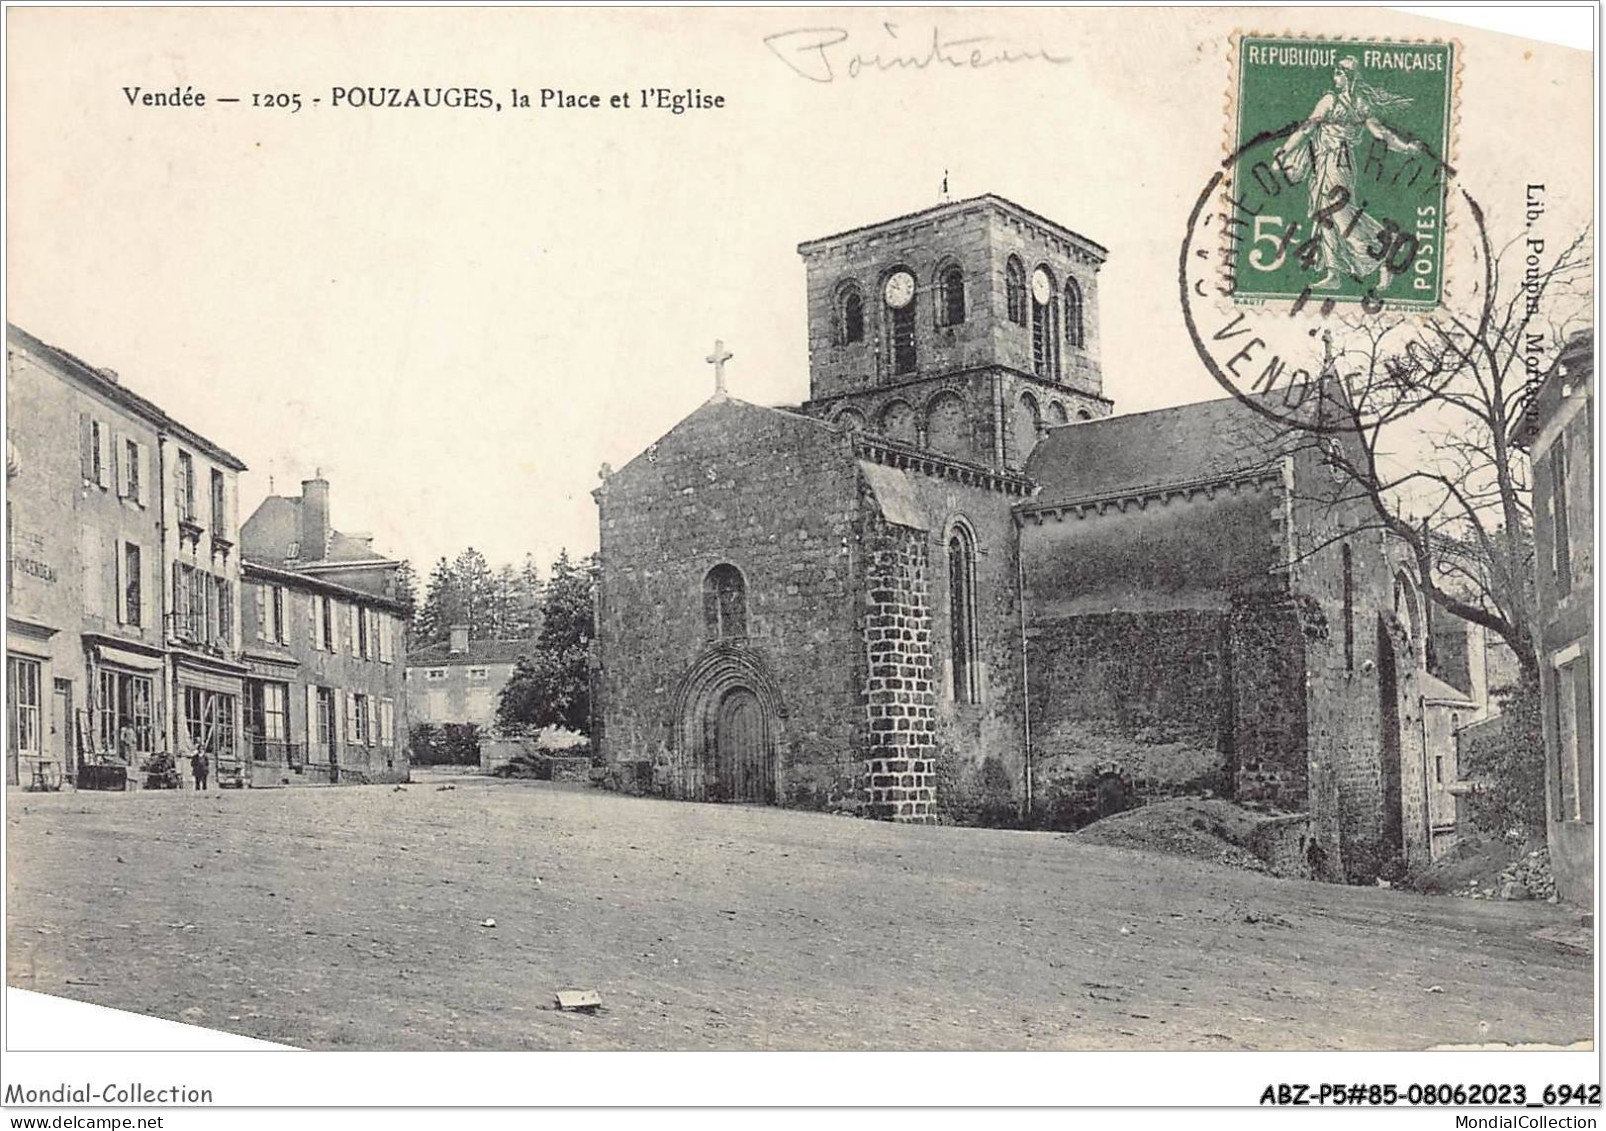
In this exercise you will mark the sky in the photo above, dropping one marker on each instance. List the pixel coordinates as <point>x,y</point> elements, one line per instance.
<point>459,315</point>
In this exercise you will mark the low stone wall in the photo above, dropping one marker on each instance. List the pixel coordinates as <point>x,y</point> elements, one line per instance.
<point>1284,843</point>
<point>497,752</point>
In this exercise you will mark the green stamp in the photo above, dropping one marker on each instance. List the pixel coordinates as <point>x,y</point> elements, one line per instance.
<point>1339,177</point>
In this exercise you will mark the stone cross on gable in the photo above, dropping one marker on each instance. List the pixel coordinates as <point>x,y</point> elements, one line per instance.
<point>718,359</point>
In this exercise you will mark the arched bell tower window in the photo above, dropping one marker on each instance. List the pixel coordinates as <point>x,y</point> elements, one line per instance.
<point>850,316</point>
<point>951,296</point>
<point>1073,314</point>
<point>1045,321</point>
<point>898,315</point>
<point>1015,291</point>
<point>725,603</point>
<point>962,614</point>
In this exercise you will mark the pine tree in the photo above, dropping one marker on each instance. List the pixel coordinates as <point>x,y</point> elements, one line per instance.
<point>529,599</point>
<point>476,584</point>
<point>442,607</point>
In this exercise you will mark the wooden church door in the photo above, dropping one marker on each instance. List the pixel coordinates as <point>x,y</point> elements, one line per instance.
<point>742,758</point>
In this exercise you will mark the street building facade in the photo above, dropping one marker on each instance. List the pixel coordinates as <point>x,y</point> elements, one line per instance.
<point>123,575</point>
<point>1558,432</point>
<point>325,649</point>
<point>459,681</point>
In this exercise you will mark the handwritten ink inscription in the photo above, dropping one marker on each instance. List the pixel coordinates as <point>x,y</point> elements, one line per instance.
<point>820,54</point>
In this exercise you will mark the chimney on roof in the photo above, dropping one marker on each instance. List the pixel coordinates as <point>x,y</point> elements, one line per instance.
<point>459,644</point>
<point>314,518</point>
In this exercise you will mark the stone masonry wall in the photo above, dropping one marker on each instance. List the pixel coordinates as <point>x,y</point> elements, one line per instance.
<point>899,694</point>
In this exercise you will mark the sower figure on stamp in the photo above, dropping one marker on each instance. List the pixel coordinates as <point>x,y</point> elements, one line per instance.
<point>1327,151</point>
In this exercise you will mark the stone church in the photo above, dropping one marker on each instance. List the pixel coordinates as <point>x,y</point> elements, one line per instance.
<point>952,585</point>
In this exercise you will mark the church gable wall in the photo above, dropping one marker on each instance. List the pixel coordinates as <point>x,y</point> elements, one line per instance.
<point>777,498</point>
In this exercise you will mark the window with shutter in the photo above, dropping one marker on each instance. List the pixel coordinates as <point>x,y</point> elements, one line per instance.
<point>131,470</point>
<point>86,448</point>
<point>119,463</point>
<point>181,601</point>
<point>120,563</point>
<point>102,454</point>
<point>132,592</point>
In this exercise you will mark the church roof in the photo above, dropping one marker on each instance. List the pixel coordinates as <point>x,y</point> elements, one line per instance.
<point>1189,443</point>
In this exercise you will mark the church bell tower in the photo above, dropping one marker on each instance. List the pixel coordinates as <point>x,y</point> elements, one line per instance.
<point>965,330</point>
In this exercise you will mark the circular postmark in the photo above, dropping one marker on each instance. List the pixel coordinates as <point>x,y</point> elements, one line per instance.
<point>1314,259</point>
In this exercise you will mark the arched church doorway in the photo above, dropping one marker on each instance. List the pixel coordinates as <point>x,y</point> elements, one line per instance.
<point>744,764</point>
<point>728,719</point>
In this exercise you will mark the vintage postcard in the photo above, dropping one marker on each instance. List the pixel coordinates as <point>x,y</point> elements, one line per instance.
<point>799,531</point>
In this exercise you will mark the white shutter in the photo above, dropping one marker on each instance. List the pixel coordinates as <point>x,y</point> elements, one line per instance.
<point>351,629</point>
<point>263,593</point>
<point>343,702</point>
<point>119,463</point>
<point>146,572</point>
<point>312,718</point>
<point>373,722</point>
<point>120,598</point>
<point>142,465</point>
<point>317,622</point>
<point>387,722</point>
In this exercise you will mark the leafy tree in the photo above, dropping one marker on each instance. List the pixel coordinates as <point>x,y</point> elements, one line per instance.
<point>1506,758</point>
<point>552,685</point>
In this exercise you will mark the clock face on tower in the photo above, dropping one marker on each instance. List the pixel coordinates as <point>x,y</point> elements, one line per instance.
<point>1042,287</point>
<point>900,290</point>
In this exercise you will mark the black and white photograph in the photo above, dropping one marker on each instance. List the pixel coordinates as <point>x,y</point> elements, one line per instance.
<point>799,531</point>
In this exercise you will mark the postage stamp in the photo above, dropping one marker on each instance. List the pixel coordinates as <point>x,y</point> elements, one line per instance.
<point>1341,151</point>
